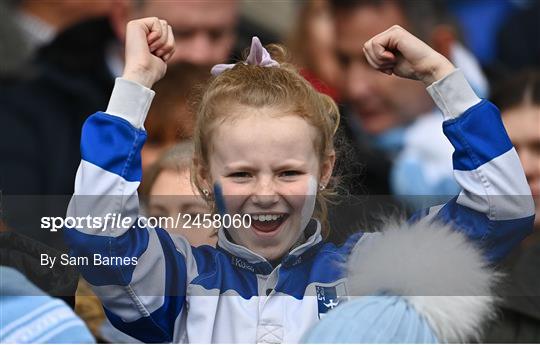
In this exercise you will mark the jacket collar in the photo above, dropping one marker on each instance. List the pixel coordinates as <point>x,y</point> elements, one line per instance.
<point>246,259</point>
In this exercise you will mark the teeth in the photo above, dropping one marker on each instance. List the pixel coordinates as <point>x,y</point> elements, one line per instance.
<point>266,217</point>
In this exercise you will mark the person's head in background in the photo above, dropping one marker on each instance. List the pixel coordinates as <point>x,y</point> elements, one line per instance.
<point>171,117</point>
<point>312,46</point>
<point>205,31</point>
<point>382,102</point>
<point>519,101</point>
<point>60,14</point>
<point>167,191</point>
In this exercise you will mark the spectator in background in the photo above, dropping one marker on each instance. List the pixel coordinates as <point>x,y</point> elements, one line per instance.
<point>41,116</point>
<point>312,47</point>
<point>29,315</point>
<point>519,39</point>
<point>25,255</point>
<point>510,36</point>
<point>519,101</point>
<point>26,26</point>
<point>205,31</point>
<point>364,173</point>
<point>519,322</point>
<point>172,117</point>
<point>167,191</point>
<point>396,115</point>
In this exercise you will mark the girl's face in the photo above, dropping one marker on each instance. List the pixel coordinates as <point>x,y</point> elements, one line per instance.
<point>266,163</point>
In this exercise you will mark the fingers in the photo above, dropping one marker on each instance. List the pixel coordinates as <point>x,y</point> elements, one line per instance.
<point>153,28</point>
<point>160,40</point>
<point>378,50</point>
<point>160,37</point>
<point>381,62</point>
<point>170,45</point>
<point>156,33</point>
<point>167,49</point>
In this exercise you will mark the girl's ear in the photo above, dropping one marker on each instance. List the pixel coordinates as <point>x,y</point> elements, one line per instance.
<point>327,167</point>
<point>201,176</point>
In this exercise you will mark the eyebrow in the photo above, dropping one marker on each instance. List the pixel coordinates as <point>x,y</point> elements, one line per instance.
<point>238,166</point>
<point>157,207</point>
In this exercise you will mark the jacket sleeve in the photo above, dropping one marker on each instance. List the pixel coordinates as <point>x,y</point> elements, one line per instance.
<point>495,208</point>
<point>143,292</point>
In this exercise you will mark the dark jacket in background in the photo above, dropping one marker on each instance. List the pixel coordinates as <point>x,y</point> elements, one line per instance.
<point>362,174</point>
<point>24,254</point>
<point>519,319</point>
<point>41,116</point>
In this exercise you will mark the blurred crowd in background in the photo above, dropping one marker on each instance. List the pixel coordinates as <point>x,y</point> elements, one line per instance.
<point>59,59</point>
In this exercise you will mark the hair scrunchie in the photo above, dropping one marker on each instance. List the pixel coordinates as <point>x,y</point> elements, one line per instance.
<point>258,56</point>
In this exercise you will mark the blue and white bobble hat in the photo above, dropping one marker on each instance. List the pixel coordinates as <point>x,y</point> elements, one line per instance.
<point>373,319</point>
<point>417,283</point>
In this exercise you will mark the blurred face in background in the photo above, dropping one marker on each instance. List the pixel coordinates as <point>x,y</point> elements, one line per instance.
<point>380,102</point>
<point>523,126</point>
<point>172,194</point>
<point>319,38</point>
<point>60,14</point>
<point>205,31</point>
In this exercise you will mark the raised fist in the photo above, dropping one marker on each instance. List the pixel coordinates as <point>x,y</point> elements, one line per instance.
<point>149,45</point>
<point>396,51</point>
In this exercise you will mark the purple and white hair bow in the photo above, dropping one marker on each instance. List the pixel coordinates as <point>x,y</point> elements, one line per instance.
<point>258,56</point>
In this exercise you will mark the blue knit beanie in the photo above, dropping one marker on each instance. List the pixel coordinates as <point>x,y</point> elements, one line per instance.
<point>373,319</point>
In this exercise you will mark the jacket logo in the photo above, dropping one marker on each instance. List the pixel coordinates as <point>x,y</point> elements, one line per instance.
<point>331,304</point>
<point>329,297</point>
<point>242,264</point>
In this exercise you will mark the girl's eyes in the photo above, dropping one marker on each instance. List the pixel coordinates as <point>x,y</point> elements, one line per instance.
<point>289,174</point>
<point>240,175</point>
<point>243,175</point>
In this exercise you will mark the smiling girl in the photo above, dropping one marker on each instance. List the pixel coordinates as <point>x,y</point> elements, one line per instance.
<point>265,137</point>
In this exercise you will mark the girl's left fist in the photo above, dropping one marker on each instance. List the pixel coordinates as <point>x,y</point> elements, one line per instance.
<point>396,51</point>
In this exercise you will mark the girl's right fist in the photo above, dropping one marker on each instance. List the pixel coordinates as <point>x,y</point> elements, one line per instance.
<point>149,45</point>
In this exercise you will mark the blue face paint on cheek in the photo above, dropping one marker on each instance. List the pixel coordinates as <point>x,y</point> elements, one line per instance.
<point>309,203</point>
<point>220,200</point>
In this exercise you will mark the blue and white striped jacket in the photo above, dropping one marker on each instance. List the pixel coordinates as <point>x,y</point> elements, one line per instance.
<point>177,293</point>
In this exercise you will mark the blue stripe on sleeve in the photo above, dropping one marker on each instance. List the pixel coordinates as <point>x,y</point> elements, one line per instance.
<point>159,326</point>
<point>113,144</point>
<point>478,136</point>
<point>132,243</point>
<point>215,271</point>
<point>495,238</point>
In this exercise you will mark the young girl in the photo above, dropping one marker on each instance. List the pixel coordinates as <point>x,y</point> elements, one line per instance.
<point>266,137</point>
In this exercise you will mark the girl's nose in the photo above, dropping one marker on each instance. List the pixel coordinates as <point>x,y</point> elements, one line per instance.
<point>265,194</point>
